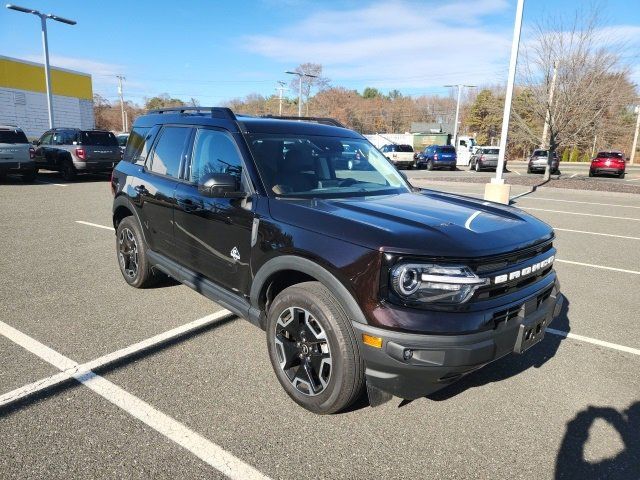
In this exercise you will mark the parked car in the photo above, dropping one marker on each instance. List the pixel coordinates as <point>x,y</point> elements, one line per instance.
<point>538,162</point>
<point>609,163</point>
<point>352,158</point>
<point>71,151</point>
<point>16,154</point>
<point>360,281</point>
<point>438,156</point>
<point>484,158</point>
<point>400,155</point>
<point>122,140</point>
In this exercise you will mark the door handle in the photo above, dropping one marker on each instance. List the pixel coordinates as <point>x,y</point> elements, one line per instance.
<point>141,189</point>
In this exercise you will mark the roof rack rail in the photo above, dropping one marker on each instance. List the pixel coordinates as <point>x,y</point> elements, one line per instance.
<point>323,120</point>
<point>216,112</point>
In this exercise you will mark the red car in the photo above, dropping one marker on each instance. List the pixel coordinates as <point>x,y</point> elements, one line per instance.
<point>611,163</point>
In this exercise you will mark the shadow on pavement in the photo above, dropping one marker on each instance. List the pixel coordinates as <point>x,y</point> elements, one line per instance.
<point>571,463</point>
<point>512,364</point>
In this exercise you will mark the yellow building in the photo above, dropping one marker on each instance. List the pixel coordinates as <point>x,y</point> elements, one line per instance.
<point>23,99</point>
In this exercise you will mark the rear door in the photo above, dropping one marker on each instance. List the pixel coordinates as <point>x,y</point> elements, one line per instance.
<point>213,235</point>
<point>153,191</point>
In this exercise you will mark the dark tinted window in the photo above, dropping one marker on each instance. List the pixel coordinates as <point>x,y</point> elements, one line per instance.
<point>540,153</point>
<point>136,145</point>
<point>214,152</point>
<point>13,136</point>
<point>46,138</point>
<point>490,151</point>
<point>122,140</point>
<point>99,139</point>
<point>405,148</point>
<point>447,149</point>
<point>168,151</point>
<point>64,137</point>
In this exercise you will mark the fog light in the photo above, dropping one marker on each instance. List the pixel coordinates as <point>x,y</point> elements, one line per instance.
<point>407,354</point>
<point>372,341</point>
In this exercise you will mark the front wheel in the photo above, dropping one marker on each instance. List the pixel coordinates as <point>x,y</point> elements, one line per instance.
<point>477,166</point>
<point>313,349</point>
<point>429,165</point>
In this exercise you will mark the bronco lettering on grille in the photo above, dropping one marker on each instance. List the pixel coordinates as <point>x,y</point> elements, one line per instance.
<point>523,272</point>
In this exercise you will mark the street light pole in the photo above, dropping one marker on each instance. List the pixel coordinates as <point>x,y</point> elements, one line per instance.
<point>300,75</point>
<point>280,89</point>
<point>455,127</point>
<point>635,136</point>
<point>497,190</point>
<point>45,47</point>
<point>124,120</point>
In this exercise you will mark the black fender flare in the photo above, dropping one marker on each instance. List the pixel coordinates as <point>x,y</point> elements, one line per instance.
<point>123,201</point>
<point>304,265</point>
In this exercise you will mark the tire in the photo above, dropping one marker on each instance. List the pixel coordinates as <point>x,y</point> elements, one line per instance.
<point>529,170</point>
<point>453,169</point>
<point>30,177</point>
<point>306,323</point>
<point>472,166</point>
<point>622,175</point>
<point>67,170</point>
<point>591,173</point>
<point>477,167</point>
<point>129,237</point>
<point>429,165</point>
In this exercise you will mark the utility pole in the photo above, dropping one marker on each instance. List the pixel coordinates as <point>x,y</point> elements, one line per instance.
<point>45,47</point>
<point>547,120</point>
<point>300,75</point>
<point>280,89</point>
<point>455,127</point>
<point>124,120</point>
<point>635,135</point>
<point>497,191</point>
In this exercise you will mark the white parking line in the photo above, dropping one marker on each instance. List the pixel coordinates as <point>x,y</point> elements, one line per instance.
<point>94,225</point>
<point>580,202</point>
<point>581,214</point>
<point>110,358</point>
<point>595,233</point>
<point>634,272</point>
<point>515,171</point>
<point>207,451</point>
<point>51,183</point>
<point>573,176</point>
<point>594,341</point>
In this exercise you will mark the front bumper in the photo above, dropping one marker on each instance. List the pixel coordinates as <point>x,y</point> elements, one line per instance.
<point>436,361</point>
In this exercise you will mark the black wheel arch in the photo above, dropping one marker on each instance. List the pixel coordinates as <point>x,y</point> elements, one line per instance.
<point>122,208</point>
<point>286,270</point>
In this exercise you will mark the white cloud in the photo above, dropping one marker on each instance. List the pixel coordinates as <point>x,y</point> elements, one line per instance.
<point>397,44</point>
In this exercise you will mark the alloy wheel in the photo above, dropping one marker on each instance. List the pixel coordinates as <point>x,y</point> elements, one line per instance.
<point>128,253</point>
<point>303,351</point>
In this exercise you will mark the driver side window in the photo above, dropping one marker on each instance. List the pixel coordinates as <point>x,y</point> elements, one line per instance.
<point>214,152</point>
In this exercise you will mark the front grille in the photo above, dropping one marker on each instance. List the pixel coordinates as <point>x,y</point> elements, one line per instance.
<point>483,266</point>
<point>505,315</point>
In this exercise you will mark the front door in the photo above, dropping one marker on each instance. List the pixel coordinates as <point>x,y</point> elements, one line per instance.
<point>213,235</point>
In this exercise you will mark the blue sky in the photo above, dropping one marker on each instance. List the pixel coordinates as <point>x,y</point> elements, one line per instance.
<point>217,50</point>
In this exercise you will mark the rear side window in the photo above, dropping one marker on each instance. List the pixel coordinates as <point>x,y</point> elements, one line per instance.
<point>214,152</point>
<point>99,139</point>
<point>13,136</point>
<point>169,150</point>
<point>136,144</point>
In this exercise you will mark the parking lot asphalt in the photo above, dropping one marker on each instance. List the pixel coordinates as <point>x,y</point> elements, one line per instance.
<point>568,408</point>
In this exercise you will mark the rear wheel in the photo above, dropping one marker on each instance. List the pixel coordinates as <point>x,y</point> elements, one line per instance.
<point>313,349</point>
<point>429,165</point>
<point>67,170</point>
<point>30,176</point>
<point>621,175</point>
<point>132,254</point>
<point>477,166</point>
<point>591,174</point>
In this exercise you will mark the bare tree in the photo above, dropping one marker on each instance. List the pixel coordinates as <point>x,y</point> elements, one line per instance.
<point>573,76</point>
<point>317,82</point>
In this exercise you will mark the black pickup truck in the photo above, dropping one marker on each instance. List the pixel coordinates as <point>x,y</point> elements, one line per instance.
<point>360,281</point>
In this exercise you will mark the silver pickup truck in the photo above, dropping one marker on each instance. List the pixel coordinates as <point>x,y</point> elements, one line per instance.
<point>16,154</point>
<point>71,151</point>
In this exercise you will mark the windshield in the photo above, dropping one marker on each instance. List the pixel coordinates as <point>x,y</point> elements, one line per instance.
<point>99,139</point>
<point>122,140</point>
<point>13,136</point>
<point>294,165</point>
<point>540,153</point>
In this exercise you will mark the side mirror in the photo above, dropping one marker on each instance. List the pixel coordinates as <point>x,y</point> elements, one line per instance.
<point>220,185</point>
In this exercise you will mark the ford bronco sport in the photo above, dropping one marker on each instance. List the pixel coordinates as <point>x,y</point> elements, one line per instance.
<point>359,279</point>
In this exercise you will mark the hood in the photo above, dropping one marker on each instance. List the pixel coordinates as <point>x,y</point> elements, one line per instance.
<point>426,223</point>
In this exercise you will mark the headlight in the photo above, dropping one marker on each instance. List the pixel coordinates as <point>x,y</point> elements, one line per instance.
<point>429,283</point>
